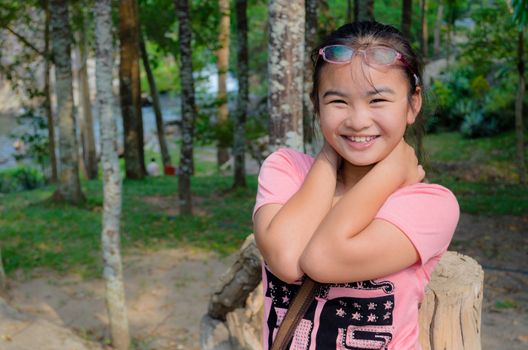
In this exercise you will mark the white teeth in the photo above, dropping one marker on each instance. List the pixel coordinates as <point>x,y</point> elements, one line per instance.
<point>361,138</point>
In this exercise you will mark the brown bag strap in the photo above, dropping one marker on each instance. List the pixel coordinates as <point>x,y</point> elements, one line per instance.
<point>295,313</point>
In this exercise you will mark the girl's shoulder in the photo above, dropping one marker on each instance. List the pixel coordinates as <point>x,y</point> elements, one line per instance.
<point>289,158</point>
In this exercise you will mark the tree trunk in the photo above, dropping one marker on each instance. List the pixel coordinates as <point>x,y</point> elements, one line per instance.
<point>3,279</point>
<point>222,65</point>
<point>406,18</point>
<point>130,90</point>
<point>438,29</point>
<point>47,96</point>
<point>285,69</point>
<point>69,186</point>
<point>188,107</point>
<point>87,133</point>
<point>350,12</point>
<point>310,41</point>
<point>424,35</point>
<point>519,128</point>
<point>113,272</point>
<point>364,10</point>
<point>239,149</point>
<point>165,156</point>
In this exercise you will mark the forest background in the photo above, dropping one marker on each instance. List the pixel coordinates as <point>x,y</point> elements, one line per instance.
<point>194,115</point>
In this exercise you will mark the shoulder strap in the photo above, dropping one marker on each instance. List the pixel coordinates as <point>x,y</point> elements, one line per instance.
<point>295,313</point>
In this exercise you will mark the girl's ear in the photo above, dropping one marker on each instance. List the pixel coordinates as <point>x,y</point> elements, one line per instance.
<point>415,102</point>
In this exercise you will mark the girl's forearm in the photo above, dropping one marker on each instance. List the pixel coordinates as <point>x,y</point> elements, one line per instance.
<point>292,227</point>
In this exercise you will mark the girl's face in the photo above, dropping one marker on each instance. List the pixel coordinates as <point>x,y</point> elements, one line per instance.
<point>364,111</point>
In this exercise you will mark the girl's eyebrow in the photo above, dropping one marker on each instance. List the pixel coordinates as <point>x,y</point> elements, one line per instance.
<point>378,90</point>
<point>334,93</point>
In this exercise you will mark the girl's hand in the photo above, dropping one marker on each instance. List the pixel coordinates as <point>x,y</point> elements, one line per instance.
<point>402,162</point>
<point>329,153</point>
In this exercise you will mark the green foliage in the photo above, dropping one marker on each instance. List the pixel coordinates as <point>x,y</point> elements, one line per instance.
<point>20,178</point>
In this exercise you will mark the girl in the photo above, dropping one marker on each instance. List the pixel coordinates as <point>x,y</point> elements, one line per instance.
<point>357,216</point>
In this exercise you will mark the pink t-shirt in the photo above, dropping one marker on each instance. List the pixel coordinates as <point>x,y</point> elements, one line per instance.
<point>375,314</point>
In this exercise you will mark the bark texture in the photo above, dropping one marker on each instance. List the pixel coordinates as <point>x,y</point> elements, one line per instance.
<point>47,95</point>
<point>406,18</point>
<point>165,156</point>
<point>87,133</point>
<point>188,107</point>
<point>222,64</point>
<point>310,41</point>
<point>226,325</point>
<point>68,186</point>
<point>129,87</point>
<point>519,127</point>
<point>113,271</point>
<point>239,140</point>
<point>285,70</point>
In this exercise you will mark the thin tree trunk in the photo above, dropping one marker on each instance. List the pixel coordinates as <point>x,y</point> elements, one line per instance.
<point>3,279</point>
<point>110,236</point>
<point>310,40</point>
<point>406,18</point>
<point>239,148</point>
<point>188,107</point>
<point>69,186</point>
<point>350,11</point>
<point>89,151</point>
<point>222,65</point>
<point>165,156</point>
<point>519,128</point>
<point>285,69</point>
<point>47,95</point>
<point>130,89</point>
<point>424,34</point>
<point>438,28</point>
<point>365,10</point>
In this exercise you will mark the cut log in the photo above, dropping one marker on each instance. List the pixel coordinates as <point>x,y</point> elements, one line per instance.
<point>449,317</point>
<point>450,313</point>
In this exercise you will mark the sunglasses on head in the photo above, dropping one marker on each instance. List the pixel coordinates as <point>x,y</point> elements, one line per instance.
<point>373,56</point>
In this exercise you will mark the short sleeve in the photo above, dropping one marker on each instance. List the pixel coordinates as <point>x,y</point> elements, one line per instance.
<point>428,214</point>
<point>280,176</point>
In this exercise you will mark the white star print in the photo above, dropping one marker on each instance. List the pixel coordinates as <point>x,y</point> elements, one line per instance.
<point>357,306</point>
<point>386,316</point>
<point>284,288</point>
<point>285,299</point>
<point>356,316</point>
<point>388,305</point>
<point>271,285</point>
<point>340,312</point>
<point>372,306</point>
<point>372,318</point>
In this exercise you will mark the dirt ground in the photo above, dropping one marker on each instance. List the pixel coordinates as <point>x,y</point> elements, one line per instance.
<point>168,291</point>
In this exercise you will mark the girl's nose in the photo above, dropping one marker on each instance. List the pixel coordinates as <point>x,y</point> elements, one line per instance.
<point>358,119</point>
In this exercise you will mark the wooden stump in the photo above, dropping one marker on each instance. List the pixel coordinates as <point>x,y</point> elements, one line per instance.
<point>449,315</point>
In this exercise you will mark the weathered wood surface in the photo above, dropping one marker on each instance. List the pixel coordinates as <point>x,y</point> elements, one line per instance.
<point>450,314</point>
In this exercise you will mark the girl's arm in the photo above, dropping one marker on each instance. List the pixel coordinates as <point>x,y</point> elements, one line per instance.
<point>349,245</point>
<point>283,231</point>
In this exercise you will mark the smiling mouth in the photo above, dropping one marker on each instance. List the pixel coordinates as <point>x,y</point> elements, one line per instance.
<point>360,139</point>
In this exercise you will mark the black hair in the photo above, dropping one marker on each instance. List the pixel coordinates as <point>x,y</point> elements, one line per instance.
<point>361,35</point>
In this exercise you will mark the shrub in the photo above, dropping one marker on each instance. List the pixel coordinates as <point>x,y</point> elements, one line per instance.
<point>20,179</point>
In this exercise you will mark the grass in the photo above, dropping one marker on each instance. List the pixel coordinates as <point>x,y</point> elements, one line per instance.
<point>37,233</point>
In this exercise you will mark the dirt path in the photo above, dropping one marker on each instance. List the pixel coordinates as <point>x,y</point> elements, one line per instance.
<point>168,290</point>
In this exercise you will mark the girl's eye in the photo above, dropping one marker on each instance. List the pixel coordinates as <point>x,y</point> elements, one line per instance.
<point>378,100</point>
<point>338,101</point>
